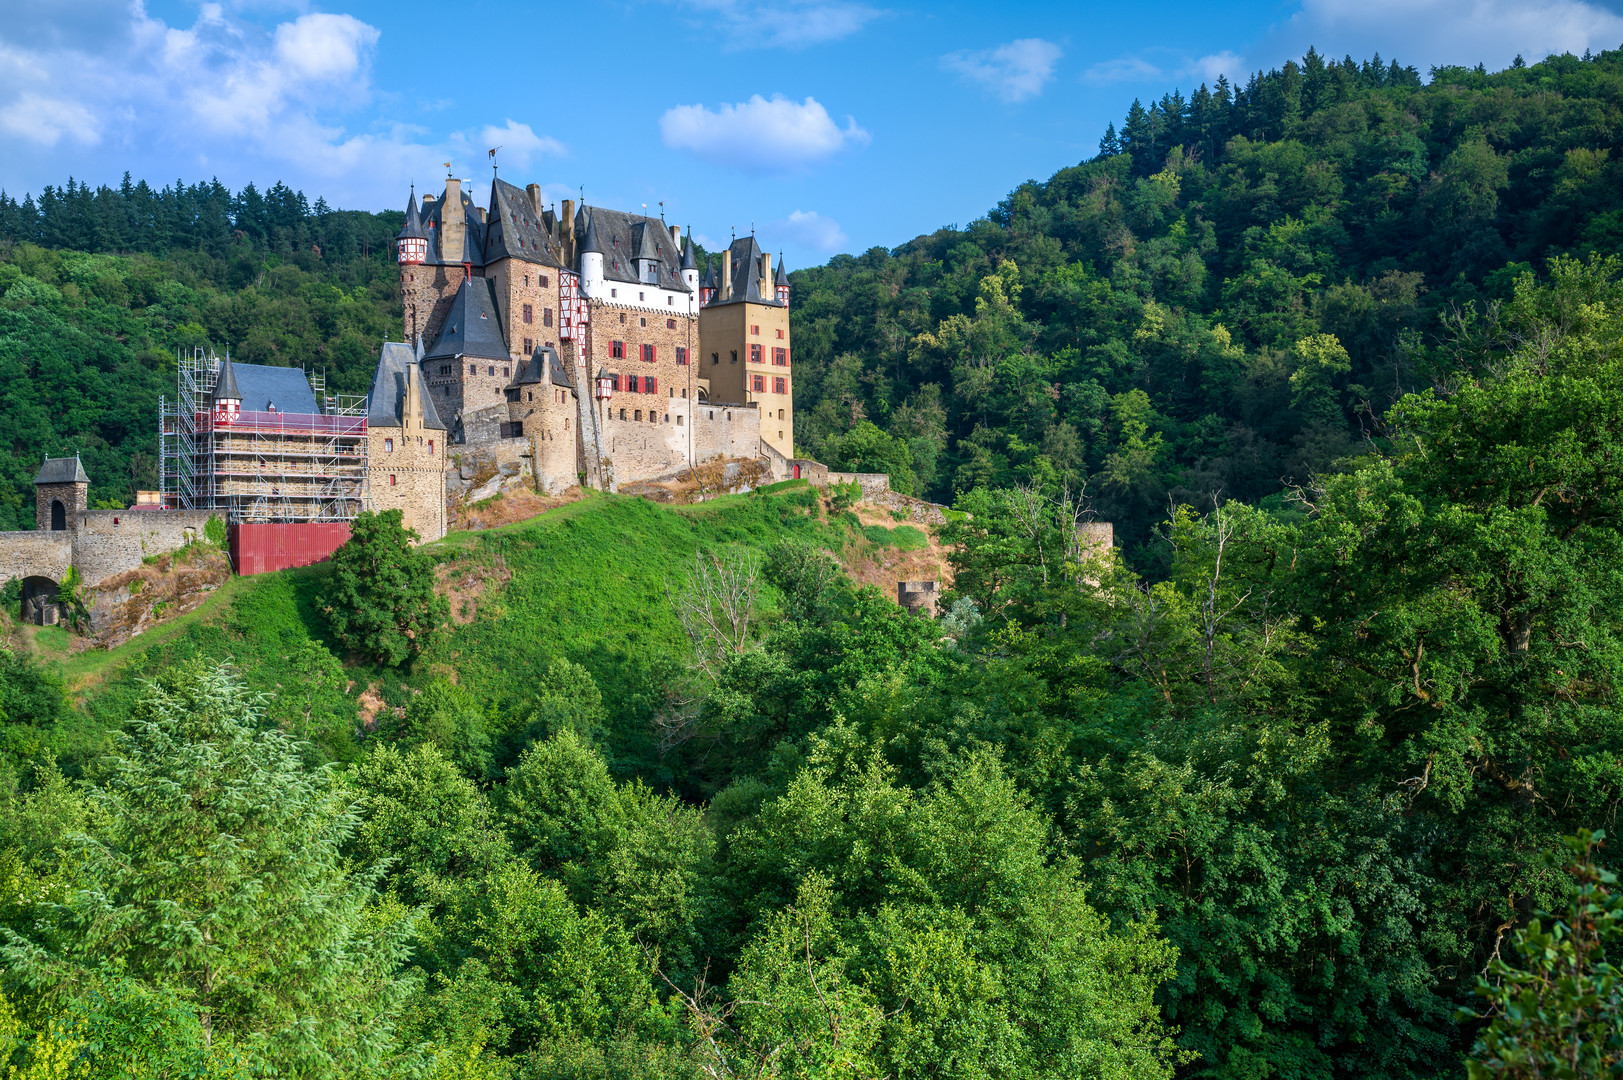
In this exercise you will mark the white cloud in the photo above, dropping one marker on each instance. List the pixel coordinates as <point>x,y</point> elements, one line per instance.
<point>1123,69</point>
<point>1210,68</point>
<point>46,120</point>
<point>1467,32</point>
<point>810,229</point>
<point>1012,72</point>
<point>321,48</point>
<point>784,24</point>
<point>760,135</point>
<point>519,143</point>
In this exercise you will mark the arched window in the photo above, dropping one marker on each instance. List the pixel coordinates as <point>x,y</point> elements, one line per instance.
<point>59,516</point>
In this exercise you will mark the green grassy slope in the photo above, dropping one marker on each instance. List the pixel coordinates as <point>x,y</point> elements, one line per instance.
<point>586,582</point>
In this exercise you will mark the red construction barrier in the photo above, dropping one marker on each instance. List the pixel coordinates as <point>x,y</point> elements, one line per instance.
<point>259,549</point>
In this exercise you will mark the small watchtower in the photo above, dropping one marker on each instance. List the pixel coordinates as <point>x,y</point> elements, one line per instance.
<point>60,493</point>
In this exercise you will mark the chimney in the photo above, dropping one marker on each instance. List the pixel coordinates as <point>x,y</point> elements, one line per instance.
<point>676,239</point>
<point>566,232</point>
<point>453,222</point>
<point>727,274</point>
<point>766,276</point>
<point>534,191</point>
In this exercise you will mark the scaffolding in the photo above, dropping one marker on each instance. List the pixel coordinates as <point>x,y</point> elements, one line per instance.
<point>261,467</point>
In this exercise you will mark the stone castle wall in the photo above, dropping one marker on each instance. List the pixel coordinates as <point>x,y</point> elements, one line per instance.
<point>40,553</point>
<point>71,495</point>
<point>410,477</point>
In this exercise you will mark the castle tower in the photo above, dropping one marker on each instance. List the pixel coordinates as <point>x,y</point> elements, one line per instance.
<point>744,347</point>
<point>690,268</point>
<point>411,249</point>
<point>591,256</point>
<point>60,493</point>
<point>406,439</point>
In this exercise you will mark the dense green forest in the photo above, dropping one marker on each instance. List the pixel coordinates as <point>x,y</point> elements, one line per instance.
<point>1275,795</point>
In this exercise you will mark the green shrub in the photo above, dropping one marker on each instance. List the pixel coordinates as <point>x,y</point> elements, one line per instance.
<point>909,538</point>
<point>877,534</point>
<point>11,595</point>
<point>214,531</point>
<point>841,497</point>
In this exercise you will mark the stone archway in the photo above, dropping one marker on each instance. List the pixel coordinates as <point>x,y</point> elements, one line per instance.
<point>59,516</point>
<point>39,605</point>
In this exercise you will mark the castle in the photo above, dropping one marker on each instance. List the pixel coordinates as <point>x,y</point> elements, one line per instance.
<point>590,341</point>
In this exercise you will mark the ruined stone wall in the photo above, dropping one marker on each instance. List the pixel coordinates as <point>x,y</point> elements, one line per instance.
<point>873,484</point>
<point>406,467</point>
<point>109,542</point>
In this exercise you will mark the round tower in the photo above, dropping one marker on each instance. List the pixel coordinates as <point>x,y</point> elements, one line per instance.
<point>591,259</point>
<point>412,242</point>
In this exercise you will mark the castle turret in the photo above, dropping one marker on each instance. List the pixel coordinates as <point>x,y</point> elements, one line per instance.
<point>690,268</point>
<point>591,258</point>
<point>227,398</point>
<point>412,241</point>
<point>781,283</point>
<point>707,286</point>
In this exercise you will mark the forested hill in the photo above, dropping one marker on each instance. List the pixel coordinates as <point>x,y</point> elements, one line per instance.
<point>1155,322</point>
<point>1151,321</point>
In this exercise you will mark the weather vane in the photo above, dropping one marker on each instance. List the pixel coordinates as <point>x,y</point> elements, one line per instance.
<point>492,153</point>
<point>447,170</point>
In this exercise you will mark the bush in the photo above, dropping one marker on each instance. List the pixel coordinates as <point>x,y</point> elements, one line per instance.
<point>214,531</point>
<point>909,538</point>
<point>381,602</point>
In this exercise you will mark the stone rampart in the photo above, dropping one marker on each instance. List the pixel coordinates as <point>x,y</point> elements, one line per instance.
<point>109,542</point>
<point>874,484</point>
<point>38,553</point>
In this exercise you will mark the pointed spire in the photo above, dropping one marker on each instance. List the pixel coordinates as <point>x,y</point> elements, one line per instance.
<point>646,245</point>
<point>688,262</point>
<point>709,279</point>
<point>413,229</point>
<point>225,388</point>
<point>782,277</point>
<point>589,242</point>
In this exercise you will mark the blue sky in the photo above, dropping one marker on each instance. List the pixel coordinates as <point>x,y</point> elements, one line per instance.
<point>828,125</point>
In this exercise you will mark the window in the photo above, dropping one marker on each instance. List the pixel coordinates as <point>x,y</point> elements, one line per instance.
<point>780,333</point>
<point>388,446</point>
<point>546,316</point>
<point>543,280</point>
<point>473,369</point>
<point>670,324</point>
<point>631,384</point>
<point>780,356</point>
<point>431,447</point>
<point>622,316</point>
<point>614,384</point>
<point>507,371</point>
<point>642,322</point>
<point>780,414</point>
<point>678,419</point>
<point>735,356</point>
<point>780,385</point>
<point>681,354</point>
<point>755,330</point>
<point>529,395</point>
<point>637,415</point>
<point>612,294</point>
<point>391,479</point>
<point>758,383</point>
<point>529,346</point>
<point>670,301</point>
<point>755,354</point>
<point>715,358</point>
<point>648,354</point>
<point>445,369</point>
<point>622,414</point>
<point>529,310</point>
<point>617,349</point>
<point>650,385</point>
<point>641,297</point>
<point>490,369</point>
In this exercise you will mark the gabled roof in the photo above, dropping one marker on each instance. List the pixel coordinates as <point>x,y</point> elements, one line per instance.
<point>745,255</point>
<point>620,236</point>
<point>386,401</point>
<point>515,230</point>
<point>286,388</point>
<point>472,326</point>
<point>62,470</point>
<point>225,387</point>
<point>413,229</point>
<point>544,362</point>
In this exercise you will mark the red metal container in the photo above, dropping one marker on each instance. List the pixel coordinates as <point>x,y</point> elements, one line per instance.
<point>259,549</point>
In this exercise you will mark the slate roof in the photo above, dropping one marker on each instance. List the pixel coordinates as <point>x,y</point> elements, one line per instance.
<point>286,388</point>
<point>225,388</point>
<point>543,358</point>
<point>472,326</point>
<point>588,235</point>
<point>620,236</point>
<point>687,255</point>
<point>782,277</point>
<point>62,470</point>
<point>385,402</point>
<point>745,254</point>
<point>515,230</point>
<point>413,229</point>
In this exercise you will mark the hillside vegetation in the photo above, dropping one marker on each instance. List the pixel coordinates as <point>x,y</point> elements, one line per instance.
<point>1282,793</point>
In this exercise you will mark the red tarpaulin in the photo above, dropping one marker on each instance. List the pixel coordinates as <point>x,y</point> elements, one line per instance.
<point>259,549</point>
